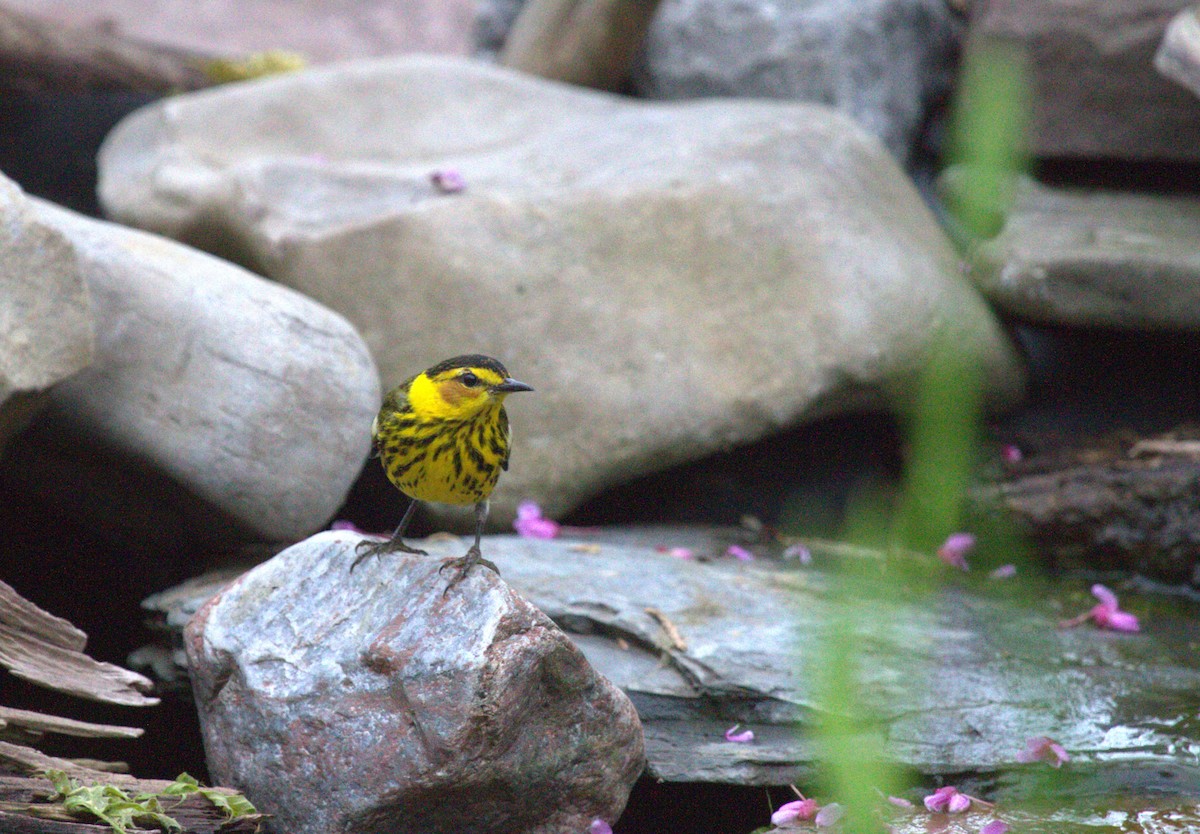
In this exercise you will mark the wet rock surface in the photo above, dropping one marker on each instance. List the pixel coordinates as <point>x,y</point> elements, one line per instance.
<point>381,700</point>
<point>961,668</point>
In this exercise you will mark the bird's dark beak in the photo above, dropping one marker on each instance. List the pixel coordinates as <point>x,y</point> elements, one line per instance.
<point>510,386</point>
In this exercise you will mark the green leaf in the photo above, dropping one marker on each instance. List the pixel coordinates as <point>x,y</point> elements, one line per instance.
<point>234,805</point>
<point>110,804</point>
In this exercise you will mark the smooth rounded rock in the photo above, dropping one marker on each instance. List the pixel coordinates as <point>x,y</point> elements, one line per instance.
<point>46,318</point>
<point>256,399</point>
<point>672,279</point>
<point>1094,258</point>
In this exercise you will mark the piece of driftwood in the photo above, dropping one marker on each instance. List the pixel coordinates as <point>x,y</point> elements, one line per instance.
<point>1121,501</point>
<point>26,808</point>
<point>37,722</point>
<point>40,55</point>
<point>48,651</point>
<point>587,42</point>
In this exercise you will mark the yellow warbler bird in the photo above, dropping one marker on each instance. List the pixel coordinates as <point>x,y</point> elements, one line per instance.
<point>443,436</point>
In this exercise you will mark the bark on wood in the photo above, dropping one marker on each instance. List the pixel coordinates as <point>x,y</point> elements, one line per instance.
<point>48,651</point>
<point>586,42</point>
<point>41,723</point>
<point>39,55</point>
<point>1117,502</point>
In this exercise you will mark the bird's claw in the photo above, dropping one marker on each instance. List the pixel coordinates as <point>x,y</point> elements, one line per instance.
<point>366,548</point>
<point>463,565</point>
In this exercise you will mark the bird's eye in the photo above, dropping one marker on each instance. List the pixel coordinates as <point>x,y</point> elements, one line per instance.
<point>468,379</point>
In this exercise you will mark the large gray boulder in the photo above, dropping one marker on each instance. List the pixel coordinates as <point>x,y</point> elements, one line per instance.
<point>1095,89</point>
<point>45,311</point>
<point>1095,258</point>
<point>880,61</point>
<point>379,700</point>
<point>673,279</point>
<point>255,399</point>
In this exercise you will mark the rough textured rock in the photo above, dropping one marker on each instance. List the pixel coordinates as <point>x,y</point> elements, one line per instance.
<point>1098,258</point>
<point>45,311</point>
<point>672,279</point>
<point>880,61</point>
<point>256,399</point>
<point>961,668</point>
<point>374,701</point>
<point>1095,89</point>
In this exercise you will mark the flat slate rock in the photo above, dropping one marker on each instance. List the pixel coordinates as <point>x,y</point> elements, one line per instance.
<point>960,668</point>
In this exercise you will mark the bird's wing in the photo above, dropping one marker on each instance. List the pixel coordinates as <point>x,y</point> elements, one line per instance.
<point>507,433</point>
<point>394,402</point>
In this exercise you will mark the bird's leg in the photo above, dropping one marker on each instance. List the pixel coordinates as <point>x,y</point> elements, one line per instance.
<point>396,543</point>
<point>474,555</point>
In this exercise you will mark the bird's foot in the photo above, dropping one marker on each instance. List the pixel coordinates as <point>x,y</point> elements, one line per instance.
<point>462,566</point>
<point>366,548</point>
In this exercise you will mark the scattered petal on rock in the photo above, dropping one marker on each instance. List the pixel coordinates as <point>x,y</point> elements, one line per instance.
<point>740,553</point>
<point>531,524</point>
<point>1106,614</point>
<point>742,737</point>
<point>955,549</point>
<point>448,181</point>
<point>1043,748</point>
<point>797,809</point>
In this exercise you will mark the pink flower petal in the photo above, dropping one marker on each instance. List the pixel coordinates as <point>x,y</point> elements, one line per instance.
<point>1043,748</point>
<point>677,552</point>
<point>448,181</point>
<point>740,553</point>
<point>900,802</point>
<point>1116,620</point>
<point>1011,453</point>
<point>1108,613</point>
<point>955,549</point>
<point>797,809</point>
<point>939,800</point>
<point>995,827</point>
<point>1004,572</point>
<point>1107,598</point>
<point>958,803</point>
<point>531,524</point>
<point>599,826</point>
<point>743,737</point>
